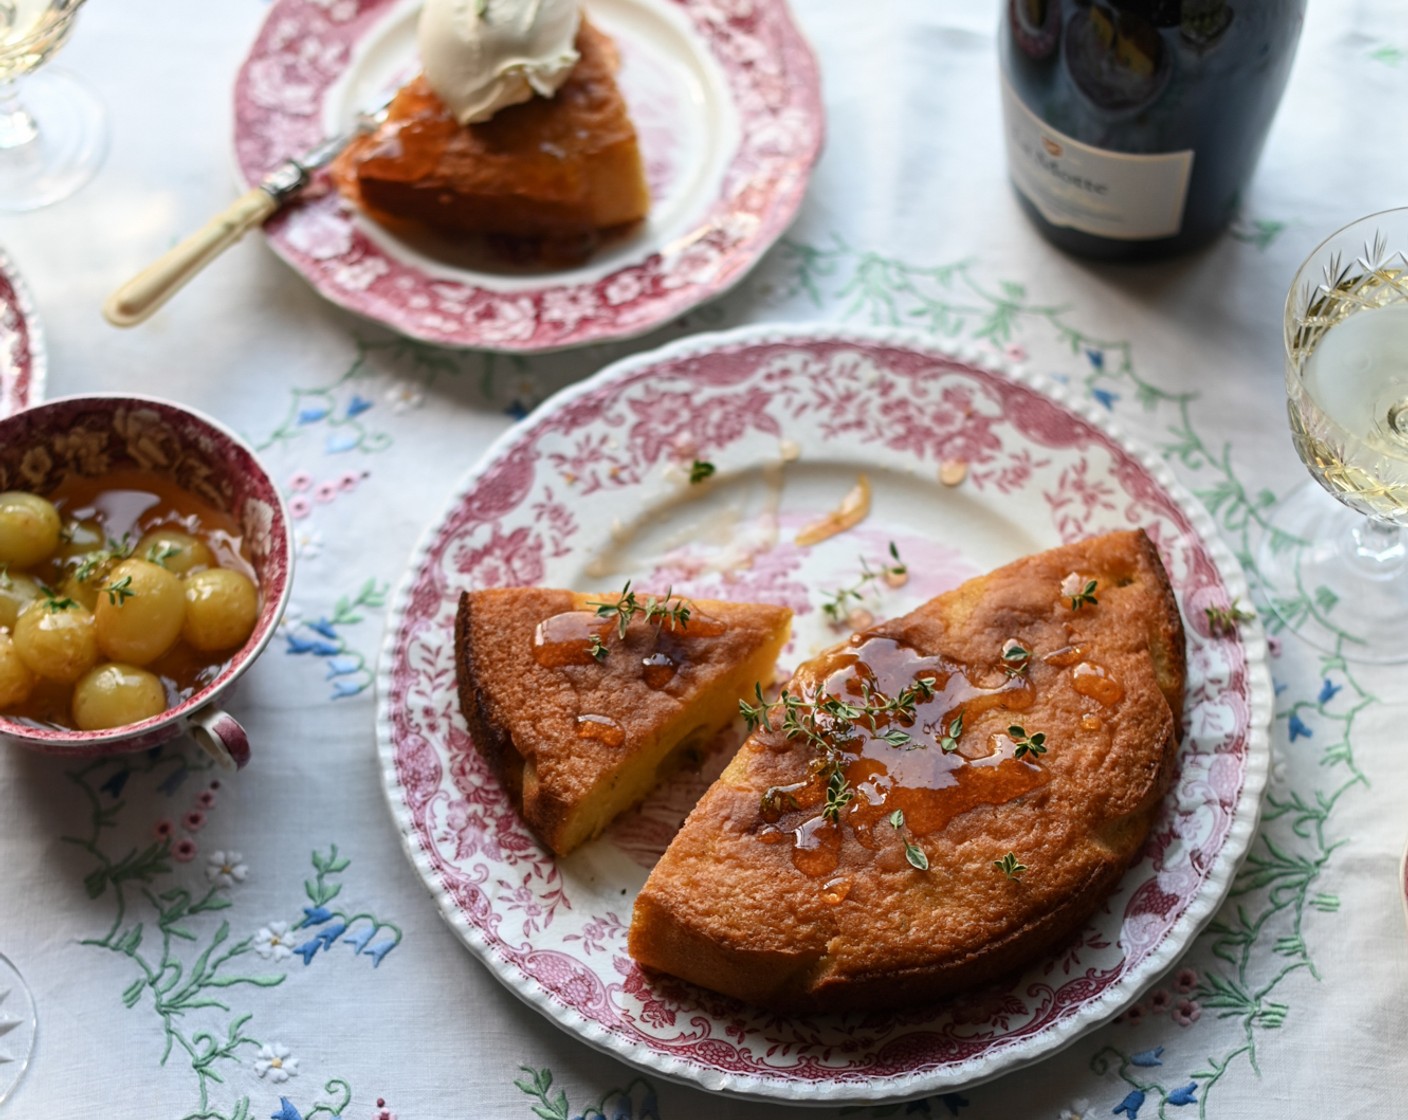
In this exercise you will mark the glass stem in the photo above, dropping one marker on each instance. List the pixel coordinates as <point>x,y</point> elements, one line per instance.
<point>1379,550</point>
<point>17,127</point>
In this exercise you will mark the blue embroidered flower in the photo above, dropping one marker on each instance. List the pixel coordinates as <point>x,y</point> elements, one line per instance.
<point>379,950</point>
<point>1147,1057</point>
<point>1105,397</point>
<point>341,666</point>
<point>328,934</point>
<point>114,784</point>
<point>314,915</point>
<point>1298,728</point>
<point>174,781</point>
<point>1130,1105</point>
<point>1328,690</point>
<point>343,687</point>
<point>358,405</point>
<point>637,1103</point>
<point>1184,1095</point>
<point>1096,358</point>
<point>323,627</point>
<point>312,415</point>
<point>340,441</point>
<point>286,1111</point>
<point>517,410</point>
<point>308,950</point>
<point>359,940</point>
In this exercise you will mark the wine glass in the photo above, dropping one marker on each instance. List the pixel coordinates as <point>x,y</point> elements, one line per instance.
<point>1337,573</point>
<point>17,1026</point>
<point>53,130</point>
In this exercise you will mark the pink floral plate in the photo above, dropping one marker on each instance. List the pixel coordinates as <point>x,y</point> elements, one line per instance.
<point>727,104</point>
<point>23,364</point>
<point>969,464</point>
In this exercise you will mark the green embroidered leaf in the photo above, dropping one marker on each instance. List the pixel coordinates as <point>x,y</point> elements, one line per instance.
<point>130,940</point>
<point>133,992</point>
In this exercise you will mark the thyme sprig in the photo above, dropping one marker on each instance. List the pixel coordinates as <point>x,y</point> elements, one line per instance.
<point>158,553</point>
<point>912,851</point>
<point>1015,657</point>
<point>1223,620</point>
<point>1085,595</point>
<point>836,605</point>
<point>1009,866</point>
<point>54,601</point>
<point>948,741</point>
<point>699,470</point>
<point>1034,744</point>
<point>101,558</point>
<point>824,720</point>
<point>120,591</point>
<point>627,606</point>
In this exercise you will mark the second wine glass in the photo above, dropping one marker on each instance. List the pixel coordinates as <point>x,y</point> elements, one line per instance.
<point>53,130</point>
<point>1338,573</point>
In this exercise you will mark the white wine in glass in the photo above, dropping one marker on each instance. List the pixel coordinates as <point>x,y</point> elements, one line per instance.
<point>1338,575</point>
<point>53,130</point>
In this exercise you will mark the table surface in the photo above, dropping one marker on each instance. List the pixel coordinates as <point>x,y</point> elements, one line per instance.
<point>1290,1001</point>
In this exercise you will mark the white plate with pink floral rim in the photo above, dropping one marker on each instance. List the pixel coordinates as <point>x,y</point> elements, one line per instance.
<point>727,105</point>
<point>594,488</point>
<point>23,364</point>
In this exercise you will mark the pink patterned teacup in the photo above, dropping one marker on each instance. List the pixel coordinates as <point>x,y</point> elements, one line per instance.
<point>88,437</point>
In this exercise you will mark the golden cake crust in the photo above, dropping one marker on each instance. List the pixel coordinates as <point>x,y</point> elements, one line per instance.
<point>576,740</point>
<point>762,897</point>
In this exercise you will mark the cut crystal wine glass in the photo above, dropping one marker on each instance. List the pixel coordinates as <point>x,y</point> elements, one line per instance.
<point>1337,573</point>
<point>17,1026</point>
<point>53,130</point>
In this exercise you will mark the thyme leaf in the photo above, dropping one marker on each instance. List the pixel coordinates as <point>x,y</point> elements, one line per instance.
<point>1009,866</point>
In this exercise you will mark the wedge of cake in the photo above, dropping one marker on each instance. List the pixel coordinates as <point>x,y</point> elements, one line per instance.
<point>581,703</point>
<point>938,800</point>
<point>549,175</point>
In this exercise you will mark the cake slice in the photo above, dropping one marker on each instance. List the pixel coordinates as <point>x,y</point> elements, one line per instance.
<point>937,800</point>
<point>551,172</point>
<point>581,703</point>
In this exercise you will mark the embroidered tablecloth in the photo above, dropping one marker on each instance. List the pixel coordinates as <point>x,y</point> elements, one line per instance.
<point>200,944</point>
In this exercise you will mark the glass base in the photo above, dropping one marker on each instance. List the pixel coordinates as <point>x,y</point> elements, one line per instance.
<point>69,142</point>
<point>1338,580</point>
<point>17,1027</point>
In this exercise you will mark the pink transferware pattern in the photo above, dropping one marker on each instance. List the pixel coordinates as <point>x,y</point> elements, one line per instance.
<point>22,358</point>
<point>726,184</point>
<point>970,464</point>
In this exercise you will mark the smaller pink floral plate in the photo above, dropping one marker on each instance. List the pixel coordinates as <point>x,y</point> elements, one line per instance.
<point>726,100</point>
<point>969,464</point>
<point>23,363</point>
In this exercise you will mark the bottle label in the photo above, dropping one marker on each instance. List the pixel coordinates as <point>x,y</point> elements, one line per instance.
<point>1106,194</point>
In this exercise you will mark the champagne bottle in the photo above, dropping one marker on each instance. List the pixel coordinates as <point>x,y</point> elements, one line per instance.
<point>1133,126</point>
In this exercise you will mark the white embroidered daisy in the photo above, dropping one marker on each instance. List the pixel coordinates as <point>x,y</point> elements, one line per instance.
<point>273,941</point>
<point>276,1063</point>
<point>225,869</point>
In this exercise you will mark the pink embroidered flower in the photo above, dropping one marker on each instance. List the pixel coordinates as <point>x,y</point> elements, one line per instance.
<point>163,829</point>
<point>349,480</point>
<point>1160,1001</point>
<point>184,850</point>
<point>1186,980</point>
<point>325,492</point>
<point>193,821</point>
<point>1186,1013</point>
<point>1135,1015</point>
<point>300,482</point>
<point>206,798</point>
<point>383,1113</point>
<point>299,507</point>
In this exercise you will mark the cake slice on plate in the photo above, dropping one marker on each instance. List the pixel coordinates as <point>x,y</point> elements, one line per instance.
<point>581,703</point>
<point>550,175</point>
<point>938,800</point>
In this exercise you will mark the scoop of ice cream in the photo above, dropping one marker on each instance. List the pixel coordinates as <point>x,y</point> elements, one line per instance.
<point>482,55</point>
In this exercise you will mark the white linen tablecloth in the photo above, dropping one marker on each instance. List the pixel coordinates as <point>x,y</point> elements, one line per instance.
<point>1292,1005</point>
